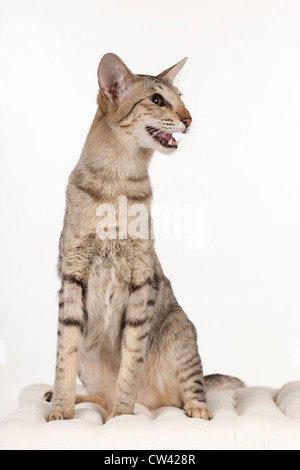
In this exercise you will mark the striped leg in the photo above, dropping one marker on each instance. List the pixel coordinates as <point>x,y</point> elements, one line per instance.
<point>188,367</point>
<point>70,326</point>
<point>193,391</point>
<point>135,336</point>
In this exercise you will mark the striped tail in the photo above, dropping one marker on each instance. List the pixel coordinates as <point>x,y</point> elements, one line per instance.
<point>221,382</point>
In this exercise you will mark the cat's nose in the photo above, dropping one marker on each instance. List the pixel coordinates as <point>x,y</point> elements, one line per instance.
<point>187,121</point>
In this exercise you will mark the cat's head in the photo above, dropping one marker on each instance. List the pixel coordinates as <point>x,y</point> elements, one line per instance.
<point>148,109</point>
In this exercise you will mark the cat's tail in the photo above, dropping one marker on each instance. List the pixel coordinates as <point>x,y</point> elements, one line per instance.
<point>221,382</point>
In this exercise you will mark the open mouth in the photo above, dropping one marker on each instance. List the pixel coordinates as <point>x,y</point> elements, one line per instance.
<point>166,140</point>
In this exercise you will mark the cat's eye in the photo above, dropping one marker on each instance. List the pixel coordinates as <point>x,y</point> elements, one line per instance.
<point>158,99</point>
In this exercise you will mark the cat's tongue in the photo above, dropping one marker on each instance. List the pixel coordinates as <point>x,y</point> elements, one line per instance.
<point>168,138</point>
<point>165,139</point>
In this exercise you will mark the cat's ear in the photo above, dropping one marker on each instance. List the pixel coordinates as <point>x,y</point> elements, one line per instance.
<point>114,77</point>
<point>169,74</point>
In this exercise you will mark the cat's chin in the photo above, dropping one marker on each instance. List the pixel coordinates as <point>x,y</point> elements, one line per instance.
<point>166,150</point>
<point>155,147</point>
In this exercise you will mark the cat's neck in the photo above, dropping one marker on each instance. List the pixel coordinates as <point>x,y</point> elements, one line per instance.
<point>111,165</point>
<point>109,151</point>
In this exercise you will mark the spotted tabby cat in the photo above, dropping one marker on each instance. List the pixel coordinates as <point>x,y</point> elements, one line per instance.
<point>120,326</point>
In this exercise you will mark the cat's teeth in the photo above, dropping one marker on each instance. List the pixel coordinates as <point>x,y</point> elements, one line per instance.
<point>165,139</point>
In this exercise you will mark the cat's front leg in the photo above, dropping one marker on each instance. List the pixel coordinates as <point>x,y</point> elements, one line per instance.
<point>70,326</point>
<point>137,318</point>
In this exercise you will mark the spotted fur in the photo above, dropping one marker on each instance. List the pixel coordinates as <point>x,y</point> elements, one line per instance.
<point>119,324</point>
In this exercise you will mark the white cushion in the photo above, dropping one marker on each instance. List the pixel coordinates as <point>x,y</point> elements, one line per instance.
<point>250,418</point>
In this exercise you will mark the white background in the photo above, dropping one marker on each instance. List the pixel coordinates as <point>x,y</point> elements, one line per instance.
<point>240,164</point>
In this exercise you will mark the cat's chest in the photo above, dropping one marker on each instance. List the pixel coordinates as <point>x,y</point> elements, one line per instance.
<point>112,272</point>
<point>107,293</point>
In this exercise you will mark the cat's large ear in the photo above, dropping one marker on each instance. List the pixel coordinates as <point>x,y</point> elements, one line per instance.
<point>169,74</point>
<point>114,77</point>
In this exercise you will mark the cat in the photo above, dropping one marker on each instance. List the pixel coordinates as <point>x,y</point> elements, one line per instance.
<point>119,325</point>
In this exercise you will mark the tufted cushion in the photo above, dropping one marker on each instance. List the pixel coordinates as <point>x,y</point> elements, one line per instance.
<point>250,418</point>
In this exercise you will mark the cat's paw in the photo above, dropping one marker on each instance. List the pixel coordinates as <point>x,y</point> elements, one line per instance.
<point>57,415</point>
<point>197,410</point>
<point>59,411</point>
